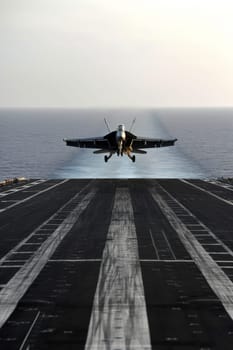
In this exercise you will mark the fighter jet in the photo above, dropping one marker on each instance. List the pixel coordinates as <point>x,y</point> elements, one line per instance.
<point>119,142</point>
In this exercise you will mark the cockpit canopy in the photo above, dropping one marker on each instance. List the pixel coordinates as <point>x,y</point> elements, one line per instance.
<point>121,127</point>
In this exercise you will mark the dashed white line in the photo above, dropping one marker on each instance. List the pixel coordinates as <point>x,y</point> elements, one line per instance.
<point>119,318</point>
<point>202,234</point>
<point>227,267</point>
<point>218,253</point>
<point>218,244</point>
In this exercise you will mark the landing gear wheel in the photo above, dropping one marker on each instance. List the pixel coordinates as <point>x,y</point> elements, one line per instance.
<point>105,159</point>
<point>133,159</point>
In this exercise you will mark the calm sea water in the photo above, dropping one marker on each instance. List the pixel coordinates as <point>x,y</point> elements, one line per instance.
<point>31,143</point>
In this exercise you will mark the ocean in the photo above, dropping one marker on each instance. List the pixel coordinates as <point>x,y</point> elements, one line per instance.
<point>31,143</point>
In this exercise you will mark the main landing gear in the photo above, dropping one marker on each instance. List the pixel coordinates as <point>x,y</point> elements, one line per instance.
<point>133,158</point>
<point>106,158</point>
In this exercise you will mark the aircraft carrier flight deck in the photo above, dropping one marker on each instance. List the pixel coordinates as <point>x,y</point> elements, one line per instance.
<point>116,264</point>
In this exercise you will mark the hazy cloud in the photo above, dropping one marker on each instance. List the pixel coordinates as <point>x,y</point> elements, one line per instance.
<point>78,53</point>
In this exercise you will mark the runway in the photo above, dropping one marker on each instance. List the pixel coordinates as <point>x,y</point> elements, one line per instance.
<point>116,264</point>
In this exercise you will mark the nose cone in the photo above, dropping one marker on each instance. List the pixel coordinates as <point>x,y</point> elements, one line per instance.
<point>121,127</point>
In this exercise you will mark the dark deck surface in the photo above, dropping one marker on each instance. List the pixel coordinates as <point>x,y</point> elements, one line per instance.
<point>116,264</point>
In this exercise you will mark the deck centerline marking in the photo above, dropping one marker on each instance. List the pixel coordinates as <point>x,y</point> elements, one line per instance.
<point>22,280</point>
<point>213,273</point>
<point>34,195</point>
<point>120,291</point>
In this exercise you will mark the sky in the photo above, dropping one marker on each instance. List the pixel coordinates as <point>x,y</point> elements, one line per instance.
<point>108,53</point>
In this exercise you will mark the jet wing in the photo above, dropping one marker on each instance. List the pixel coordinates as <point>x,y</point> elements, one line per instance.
<point>91,142</point>
<point>142,142</point>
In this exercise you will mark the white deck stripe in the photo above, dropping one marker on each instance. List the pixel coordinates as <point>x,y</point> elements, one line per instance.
<point>29,331</point>
<point>167,260</point>
<point>99,260</point>
<point>75,260</point>
<point>206,191</point>
<point>226,186</point>
<point>119,317</point>
<point>168,244</point>
<point>21,281</point>
<point>154,245</point>
<point>40,228</point>
<point>20,188</point>
<point>34,195</point>
<point>206,229</point>
<point>216,278</point>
